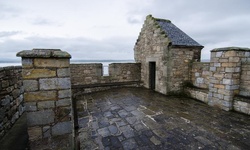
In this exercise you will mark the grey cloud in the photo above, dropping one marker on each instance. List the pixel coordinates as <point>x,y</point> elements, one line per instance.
<point>8,33</point>
<point>79,48</point>
<point>43,21</point>
<point>7,12</point>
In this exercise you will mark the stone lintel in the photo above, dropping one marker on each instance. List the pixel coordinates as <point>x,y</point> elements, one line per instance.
<point>43,53</point>
<point>231,49</point>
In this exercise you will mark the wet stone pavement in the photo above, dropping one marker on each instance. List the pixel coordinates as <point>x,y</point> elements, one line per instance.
<point>137,118</point>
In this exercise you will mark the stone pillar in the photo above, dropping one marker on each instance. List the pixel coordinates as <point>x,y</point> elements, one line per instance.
<point>47,92</point>
<point>225,69</point>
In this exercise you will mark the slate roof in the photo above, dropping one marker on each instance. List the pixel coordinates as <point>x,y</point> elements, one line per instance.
<point>176,35</point>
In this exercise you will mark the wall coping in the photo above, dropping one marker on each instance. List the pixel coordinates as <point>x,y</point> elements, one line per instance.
<point>43,53</point>
<point>230,49</point>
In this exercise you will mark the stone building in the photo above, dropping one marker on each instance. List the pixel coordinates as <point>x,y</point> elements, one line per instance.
<point>164,52</point>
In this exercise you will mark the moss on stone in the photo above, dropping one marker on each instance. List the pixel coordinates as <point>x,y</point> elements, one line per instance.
<point>230,49</point>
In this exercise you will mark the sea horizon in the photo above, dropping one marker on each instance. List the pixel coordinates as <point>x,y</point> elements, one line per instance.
<point>105,62</point>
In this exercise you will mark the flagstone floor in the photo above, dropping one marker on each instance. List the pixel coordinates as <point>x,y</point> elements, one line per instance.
<point>137,118</point>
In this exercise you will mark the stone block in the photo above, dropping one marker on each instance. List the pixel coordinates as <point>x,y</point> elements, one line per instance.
<point>16,93</point>
<point>200,80</point>
<point>242,104</point>
<point>30,106</point>
<point>27,62</point>
<point>219,86</point>
<point>63,102</point>
<point>227,81</point>
<point>40,96</point>
<point>35,133</point>
<point>63,113</point>
<point>230,53</point>
<point>62,128</point>
<point>55,83</point>
<point>42,117</point>
<point>63,72</point>
<point>212,68</point>
<point>228,69</point>
<point>38,73</point>
<point>5,83</point>
<point>217,64</point>
<point>219,75</point>
<point>225,92</point>
<point>51,62</point>
<point>218,54</point>
<point>229,64</point>
<point>30,85</point>
<point>237,69</point>
<point>45,105</point>
<point>223,60</point>
<point>46,131</point>
<point>232,87</point>
<point>220,96</point>
<point>214,81</point>
<point>234,59</point>
<point>64,93</point>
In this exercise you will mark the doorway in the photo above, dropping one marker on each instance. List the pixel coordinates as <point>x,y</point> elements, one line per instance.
<point>152,75</point>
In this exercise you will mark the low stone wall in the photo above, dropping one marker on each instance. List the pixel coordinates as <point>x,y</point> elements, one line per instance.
<point>245,79</point>
<point>242,104</point>
<point>200,74</point>
<point>11,96</point>
<point>86,78</point>
<point>198,94</point>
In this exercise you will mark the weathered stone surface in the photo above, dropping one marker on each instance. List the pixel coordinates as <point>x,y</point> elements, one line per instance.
<point>43,53</point>
<point>38,73</point>
<point>50,62</point>
<point>64,94</point>
<point>62,128</point>
<point>30,85</point>
<point>40,96</point>
<point>42,117</point>
<point>55,83</point>
<point>46,131</point>
<point>27,62</point>
<point>63,102</point>
<point>11,97</point>
<point>63,72</point>
<point>45,105</point>
<point>30,106</point>
<point>35,133</point>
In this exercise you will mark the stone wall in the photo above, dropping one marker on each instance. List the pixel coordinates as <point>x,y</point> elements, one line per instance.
<point>178,64</point>
<point>47,92</point>
<point>152,46</point>
<point>11,96</point>
<point>86,78</point>
<point>227,79</point>
<point>199,74</point>
<point>245,79</point>
<point>225,68</point>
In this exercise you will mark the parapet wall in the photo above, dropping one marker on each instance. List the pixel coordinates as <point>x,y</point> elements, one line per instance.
<point>11,96</point>
<point>200,74</point>
<point>225,81</point>
<point>86,78</point>
<point>245,79</point>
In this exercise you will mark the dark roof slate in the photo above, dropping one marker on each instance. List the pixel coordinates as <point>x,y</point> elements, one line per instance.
<point>176,35</point>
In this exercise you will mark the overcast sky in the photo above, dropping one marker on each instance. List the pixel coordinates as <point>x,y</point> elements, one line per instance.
<point>108,29</point>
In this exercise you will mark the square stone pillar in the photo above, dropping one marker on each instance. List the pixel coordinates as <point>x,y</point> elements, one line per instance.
<point>225,71</point>
<point>47,92</point>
